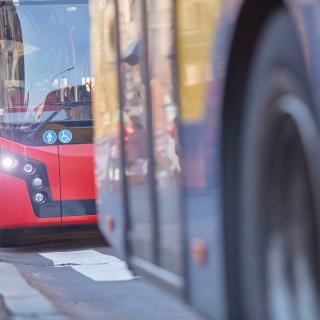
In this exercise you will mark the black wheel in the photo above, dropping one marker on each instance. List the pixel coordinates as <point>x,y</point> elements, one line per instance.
<point>9,238</point>
<point>279,182</point>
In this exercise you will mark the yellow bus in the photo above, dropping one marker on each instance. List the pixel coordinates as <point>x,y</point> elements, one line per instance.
<point>207,149</point>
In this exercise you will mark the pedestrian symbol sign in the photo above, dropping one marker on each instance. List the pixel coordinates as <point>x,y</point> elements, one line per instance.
<point>65,136</point>
<point>49,137</point>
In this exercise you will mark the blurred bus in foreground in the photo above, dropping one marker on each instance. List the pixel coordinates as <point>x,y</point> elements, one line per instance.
<point>207,149</point>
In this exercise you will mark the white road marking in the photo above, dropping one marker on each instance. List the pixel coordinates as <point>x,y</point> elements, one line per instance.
<point>92,264</point>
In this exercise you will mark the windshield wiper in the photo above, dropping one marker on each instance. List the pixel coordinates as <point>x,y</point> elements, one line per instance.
<point>61,106</point>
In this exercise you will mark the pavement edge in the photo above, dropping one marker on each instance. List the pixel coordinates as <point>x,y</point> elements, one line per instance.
<point>21,300</point>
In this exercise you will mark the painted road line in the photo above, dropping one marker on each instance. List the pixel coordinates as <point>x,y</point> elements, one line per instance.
<point>21,299</point>
<point>92,264</point>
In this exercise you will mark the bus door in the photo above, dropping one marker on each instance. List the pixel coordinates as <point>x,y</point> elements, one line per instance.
<point>60,93</point>
<point>150,147</point>
<point>170,229</point>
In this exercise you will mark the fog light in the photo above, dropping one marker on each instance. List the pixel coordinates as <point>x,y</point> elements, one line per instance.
<point>39,198</point>
<point>28,168</point>
<point>37,182</point>
<point>9,163</point>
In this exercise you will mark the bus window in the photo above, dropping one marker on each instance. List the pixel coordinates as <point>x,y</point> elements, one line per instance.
<point>134,126</point>
<point>31,88</point>
<point>166,153</point>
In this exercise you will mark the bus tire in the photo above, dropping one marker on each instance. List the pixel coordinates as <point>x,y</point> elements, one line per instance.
<point>279,182</point>
<point>9,238</point>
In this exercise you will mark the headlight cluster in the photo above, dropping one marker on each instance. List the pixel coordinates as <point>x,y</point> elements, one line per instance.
<point>32,175</point>
<point>39,196</point>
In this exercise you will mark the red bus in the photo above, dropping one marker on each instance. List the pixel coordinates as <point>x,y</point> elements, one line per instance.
<point>46,165</point>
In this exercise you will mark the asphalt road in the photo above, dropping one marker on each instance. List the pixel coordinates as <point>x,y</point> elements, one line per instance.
<point>83,280</point>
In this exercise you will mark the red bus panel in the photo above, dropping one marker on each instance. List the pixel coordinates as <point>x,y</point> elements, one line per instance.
<point>77,181</point>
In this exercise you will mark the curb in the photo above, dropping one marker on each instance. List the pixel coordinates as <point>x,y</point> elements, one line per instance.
<point>21,300</point>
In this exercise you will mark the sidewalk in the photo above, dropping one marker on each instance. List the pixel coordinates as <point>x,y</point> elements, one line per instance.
<point>20,300</point>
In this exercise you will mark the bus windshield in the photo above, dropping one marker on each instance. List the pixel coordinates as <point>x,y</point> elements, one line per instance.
<point>45,62</point>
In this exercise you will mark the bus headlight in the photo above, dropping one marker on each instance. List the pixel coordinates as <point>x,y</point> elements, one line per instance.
<point>28,168</point>
<point>37,182</point>
<point>39,198</point>
<point>9,163</point>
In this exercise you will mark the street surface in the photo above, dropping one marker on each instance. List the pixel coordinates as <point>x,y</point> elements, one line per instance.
<point>82,278</point>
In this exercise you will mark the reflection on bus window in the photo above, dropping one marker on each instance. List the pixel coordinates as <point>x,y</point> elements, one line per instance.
<point>135,129</point>
<point>162,74</point>
<point>45,61</point>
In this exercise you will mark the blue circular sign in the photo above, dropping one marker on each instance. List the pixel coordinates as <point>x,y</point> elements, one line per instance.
<point>49,137</point>
<point>65,136</point>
